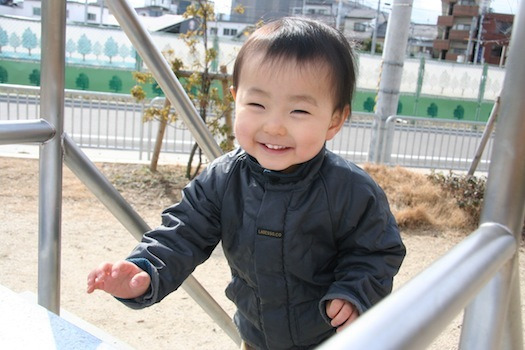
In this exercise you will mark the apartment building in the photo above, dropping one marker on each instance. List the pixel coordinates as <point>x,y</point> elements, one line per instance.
<point>468,32</point>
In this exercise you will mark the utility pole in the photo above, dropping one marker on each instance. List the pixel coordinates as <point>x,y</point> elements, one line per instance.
<point>482,11</point>
<point>469,53</point>
<point>339,14</point>
<point>376,24</point>
<point>392,69</point>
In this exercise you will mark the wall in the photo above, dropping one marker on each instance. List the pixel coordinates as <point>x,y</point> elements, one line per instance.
<point>423,82</point>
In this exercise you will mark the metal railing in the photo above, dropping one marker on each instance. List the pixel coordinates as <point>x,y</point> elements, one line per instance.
<point>114,121</point>
<point>481,272</point>
<point>434,143</point>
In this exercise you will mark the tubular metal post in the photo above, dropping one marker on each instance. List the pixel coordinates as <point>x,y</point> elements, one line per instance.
<point>413,316</point>
<point>142,42</point>
<point>23,131</point>
<point>499,303</point>
<point>50,185</point>
<point>89,174</point>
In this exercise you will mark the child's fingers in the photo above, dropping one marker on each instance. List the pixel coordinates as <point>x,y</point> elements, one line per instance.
<point>140,281</point>
<point>342,313</point>
<point>97,277</point>
<point>333,307</point>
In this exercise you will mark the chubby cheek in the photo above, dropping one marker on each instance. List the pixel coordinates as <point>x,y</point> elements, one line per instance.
<point>242,132</point>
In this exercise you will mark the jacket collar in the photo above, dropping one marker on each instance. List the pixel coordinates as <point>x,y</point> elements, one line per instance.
<point>304,173</point>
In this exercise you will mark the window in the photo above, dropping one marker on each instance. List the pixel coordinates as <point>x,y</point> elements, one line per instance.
<point>503,27</point>
<point>459,51</point>
<point>360,27</point>
<point>214,31</point>
<point>37,11</point>
<point>496,51</point>
<point>92,17</point>
<point>229,32</point>
<point>462,26</point>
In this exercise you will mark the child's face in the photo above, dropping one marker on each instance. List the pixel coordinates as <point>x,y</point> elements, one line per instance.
<point>284,112</point>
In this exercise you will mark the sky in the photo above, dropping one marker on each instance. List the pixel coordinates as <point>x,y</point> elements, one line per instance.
<point>423,11</point>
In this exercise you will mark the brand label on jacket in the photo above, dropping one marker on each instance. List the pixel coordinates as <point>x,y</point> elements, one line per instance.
<point>269,233</point>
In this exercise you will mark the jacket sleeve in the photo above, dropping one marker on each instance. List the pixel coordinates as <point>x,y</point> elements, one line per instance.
<point>370,250</point>
<point>189,232</point>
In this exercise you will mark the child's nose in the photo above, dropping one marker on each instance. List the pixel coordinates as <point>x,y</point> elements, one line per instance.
<point>275,126</point>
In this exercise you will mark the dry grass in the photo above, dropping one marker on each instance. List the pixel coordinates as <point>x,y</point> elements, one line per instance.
<point>417,203</point>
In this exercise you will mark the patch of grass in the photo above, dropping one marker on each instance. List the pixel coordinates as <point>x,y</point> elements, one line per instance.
<point>420,202</point>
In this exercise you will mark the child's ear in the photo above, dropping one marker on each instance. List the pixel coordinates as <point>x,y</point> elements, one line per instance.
<point>338,119</point>
<point>233,91</point>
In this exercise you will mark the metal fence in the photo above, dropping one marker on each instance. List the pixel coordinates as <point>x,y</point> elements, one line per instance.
<point>115,121</point>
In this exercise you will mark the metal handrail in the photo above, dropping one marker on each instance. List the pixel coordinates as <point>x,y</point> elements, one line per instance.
<point>414,315</point>
<point>97,183</point>
<point>23,131</point>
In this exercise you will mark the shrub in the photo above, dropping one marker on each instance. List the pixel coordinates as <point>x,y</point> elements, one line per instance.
<point>467,190</point>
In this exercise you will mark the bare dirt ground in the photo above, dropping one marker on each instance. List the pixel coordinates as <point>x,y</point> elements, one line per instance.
<point>91,235</point>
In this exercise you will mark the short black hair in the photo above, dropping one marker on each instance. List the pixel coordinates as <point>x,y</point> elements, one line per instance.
<point>305,41</point>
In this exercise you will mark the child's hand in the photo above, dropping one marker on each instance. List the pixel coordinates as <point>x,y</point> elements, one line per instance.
<point>341,312</point>
<point>123,280</point>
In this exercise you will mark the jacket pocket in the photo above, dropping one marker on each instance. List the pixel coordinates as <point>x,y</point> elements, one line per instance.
<point>308,327</point>
<point>245,299</point>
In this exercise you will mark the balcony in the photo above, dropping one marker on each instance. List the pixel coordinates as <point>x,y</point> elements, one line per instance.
<point>440,44</point>
<point>459,35</point>
<point>465,11</point>
<point>445,21</point>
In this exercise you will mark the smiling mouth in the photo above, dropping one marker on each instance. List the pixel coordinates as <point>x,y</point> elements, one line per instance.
<point>275,147</point>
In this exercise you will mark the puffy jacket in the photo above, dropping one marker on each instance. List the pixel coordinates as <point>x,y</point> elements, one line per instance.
<point>293,241</point>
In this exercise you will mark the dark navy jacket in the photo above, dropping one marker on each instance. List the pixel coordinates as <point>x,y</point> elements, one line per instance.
<point>293,241</point>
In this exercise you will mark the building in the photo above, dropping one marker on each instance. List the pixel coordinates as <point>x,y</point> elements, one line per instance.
<point>495,37</point>
<point>421,39</point>
<point>469,32</point>
<point>359,25</point>
<point>76,11</point>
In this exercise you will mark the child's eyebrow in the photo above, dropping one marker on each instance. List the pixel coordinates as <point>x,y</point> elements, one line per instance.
<point>293,98</point>
<point>304,98</point>
<point>258,91</point>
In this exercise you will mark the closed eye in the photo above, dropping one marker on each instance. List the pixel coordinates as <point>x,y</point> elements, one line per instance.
<point>256,105</point>
<point>300,111</point>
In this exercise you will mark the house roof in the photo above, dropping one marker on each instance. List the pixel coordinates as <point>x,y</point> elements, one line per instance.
<point>361,13</point>
<point>155,24</point>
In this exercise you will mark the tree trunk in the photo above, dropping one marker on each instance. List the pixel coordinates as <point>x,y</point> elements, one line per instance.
<point>190,160</point>
<point>228,112</point>
<point>158,141</point>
